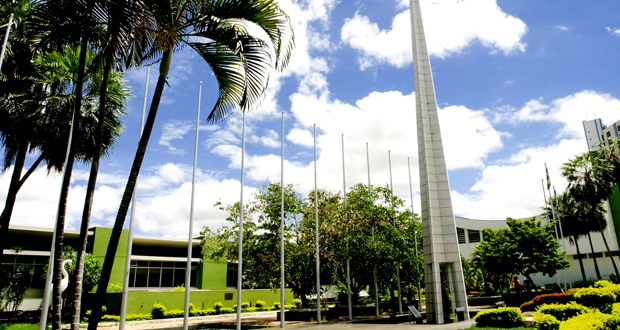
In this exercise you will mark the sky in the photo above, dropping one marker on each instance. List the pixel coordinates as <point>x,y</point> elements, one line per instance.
<point>514,80</point>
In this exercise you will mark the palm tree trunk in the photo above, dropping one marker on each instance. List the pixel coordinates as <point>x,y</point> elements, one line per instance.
<point>613,262</point>
<point>64,193</point>
<point>579,256</point>
<point>164,68</point>
<point>11,197</point>
<point>88,202</point>
<point>598,272</point>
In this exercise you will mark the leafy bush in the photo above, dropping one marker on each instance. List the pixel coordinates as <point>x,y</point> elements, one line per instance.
<point>276,305</point>
<point>179,287</point>
<point>503,317</point>
<point>297,302</point>
<point>218,307</point>
<point>289,306</point>
<point>253,309</point>
<point>158,311</point>
<point>615,288</point>
<point>110,318</point>
<point>20,326</point>
<point>138,317</point>
<point>227,310</point>
<point>260,304</point>
<point>563,312</point>
<point>599,298</point>
<point>174,313</point>
<point>546,322</point>
<point>245,305</point>
<point>591,321</point>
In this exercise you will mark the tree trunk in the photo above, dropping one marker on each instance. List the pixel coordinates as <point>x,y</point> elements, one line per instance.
<point>11,196</point>
<point>579,255</point>
<point>598,272</point>
<point>609,253</point>
<point>108,262</point>
<point>66,182</point>
<point>88,202</point>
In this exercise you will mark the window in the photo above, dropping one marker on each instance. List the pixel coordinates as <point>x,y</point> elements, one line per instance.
<point>231,274</point>
<point>474,236</point>
<point>461,235</point>
<point>36,265</point>
<point>613,253</point>
<point>597,255</point>
<point>157,274</point>
<point>608,134</point>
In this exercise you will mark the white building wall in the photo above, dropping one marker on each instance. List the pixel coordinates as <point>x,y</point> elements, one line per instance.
<point>471,226</point>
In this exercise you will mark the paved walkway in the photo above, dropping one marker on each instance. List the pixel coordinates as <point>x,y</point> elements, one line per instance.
<point>268,320</point>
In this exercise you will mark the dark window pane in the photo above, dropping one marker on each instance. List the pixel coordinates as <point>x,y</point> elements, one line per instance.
<point>461,234</point>
<point>132,277</point>
<point>474,236</point>
<point>141,275</point>
<point>179,277</point>
<point>155,264</point>
<point>167,264</point>
<point>193,277</point>
<point>154,277</point>
<point>166,278</point>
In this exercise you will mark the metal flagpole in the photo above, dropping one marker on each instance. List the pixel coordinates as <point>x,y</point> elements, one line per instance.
<point>282,228</point>
<point>188,268</point>
<point>50,266</point>
<point>6,39</point>
<point>415,235</point>
<point>553,210</point>
<point>240,265</point>
<point>316,219</point>
<point>344,189</point>
<point>400,297</point>
<point>121,325</point>
<point>557,209</point>
<point>374,270</point>
<point>556,225</point>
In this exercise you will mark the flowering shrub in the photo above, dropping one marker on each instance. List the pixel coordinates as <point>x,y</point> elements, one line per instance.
<point>550,298</point>
<point>260,304</point>
<point>503,317</point>
<point>158,311</point>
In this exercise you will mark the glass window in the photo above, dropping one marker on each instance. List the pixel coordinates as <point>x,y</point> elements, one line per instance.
<point>154,276</point>
<point>461,234</point>
<point>474,236</point>
<point>141,277</point>
<point>166,277</point>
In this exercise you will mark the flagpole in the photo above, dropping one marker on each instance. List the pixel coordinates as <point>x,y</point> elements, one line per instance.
<point>561,235</point>
<point>400,305</point>
<point>282,321</point>
<point>344,189</point>
<point>6,39</point>
<point>374,270</point>
<point>557,234</point>
<point>415,235</point>
<point>188,269</point>
<point>240,265</point>
<point>316,225</point>
<point>121,325</point>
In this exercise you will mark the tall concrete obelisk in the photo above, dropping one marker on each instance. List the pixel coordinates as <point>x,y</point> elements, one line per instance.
<point>441,249</point>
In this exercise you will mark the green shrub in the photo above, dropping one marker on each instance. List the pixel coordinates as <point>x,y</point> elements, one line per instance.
<point>602,284</point>
<point>276,305</point>
<point>158,311</point>
<point>179,287</point>
<point>110,318</point>
<point>20,326</point>
<point>563,312</point>
<point>297,302</point>
<point>549,298</point>
<point>503,317</point>
<point>546,322</point>
<point>218,307</point>
<point>253,309</point>
<point>260,304</point>
<point>291,306</point>
<point>591,321</point>
<point>245,305</point>
<point>174,313</point>
<point>137,317</point>
<point>599,298</point>
<point>227,310</point>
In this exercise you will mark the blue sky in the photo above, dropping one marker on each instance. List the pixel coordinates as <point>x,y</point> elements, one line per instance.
<point>514,80</point>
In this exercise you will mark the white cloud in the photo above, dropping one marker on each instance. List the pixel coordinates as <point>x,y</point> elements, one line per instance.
<point>614,31</point>
<point>174,130</point>
<point>569,111</point>
<point>562,28</point>
<point>300,137</point>
<point>470,21</point>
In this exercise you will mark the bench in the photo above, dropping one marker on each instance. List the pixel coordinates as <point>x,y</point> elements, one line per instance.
<point>414,315</point>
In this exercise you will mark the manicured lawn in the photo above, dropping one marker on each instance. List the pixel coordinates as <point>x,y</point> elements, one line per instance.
<point>489,328</point>
<point>20,326</point>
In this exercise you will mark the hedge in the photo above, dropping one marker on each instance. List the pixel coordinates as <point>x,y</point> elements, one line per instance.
<point>503,317</point>
<point>546,322</point>
<point>591,321</point>
<point>550,298</point>
<point>563,312</point>
<point>599,298</point>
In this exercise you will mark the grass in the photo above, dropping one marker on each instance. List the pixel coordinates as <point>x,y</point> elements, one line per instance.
<point>20,326</point>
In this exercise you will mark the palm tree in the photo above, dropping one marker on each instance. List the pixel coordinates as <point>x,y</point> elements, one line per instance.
<point>588,178</point>
<point>220,31</point>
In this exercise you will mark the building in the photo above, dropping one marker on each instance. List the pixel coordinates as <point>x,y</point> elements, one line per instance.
<point>596,132</point>
<point>469,232</point>
<point>157,267</point>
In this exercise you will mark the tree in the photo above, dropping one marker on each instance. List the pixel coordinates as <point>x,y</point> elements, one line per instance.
<point>526,247</point>
<point>220,32</point>
<point>589,179</point>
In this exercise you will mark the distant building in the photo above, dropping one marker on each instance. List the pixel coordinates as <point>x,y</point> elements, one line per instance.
<point>596,132</point>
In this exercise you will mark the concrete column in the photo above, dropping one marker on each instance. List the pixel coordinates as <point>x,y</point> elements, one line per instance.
<point>438,227</point>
